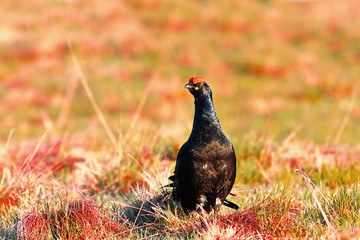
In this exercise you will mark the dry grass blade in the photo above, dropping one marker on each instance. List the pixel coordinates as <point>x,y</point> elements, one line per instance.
<point>36,149</point>
<point>345,120</point>
<point>8,140</point>
<point>93,102</point>
<point>6,175</point>
<point>147,177</point>
<point>290,137</point>
<point>65,107</point>
<point>140,107</point>
<point>310,184</point>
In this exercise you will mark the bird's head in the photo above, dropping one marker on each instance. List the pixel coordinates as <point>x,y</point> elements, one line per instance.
<point>198,87</point>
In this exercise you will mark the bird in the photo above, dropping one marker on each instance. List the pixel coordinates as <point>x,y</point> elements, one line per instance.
<point>205,167</point>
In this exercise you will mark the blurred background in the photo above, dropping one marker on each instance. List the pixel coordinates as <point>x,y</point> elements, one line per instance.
<point>274,66</point>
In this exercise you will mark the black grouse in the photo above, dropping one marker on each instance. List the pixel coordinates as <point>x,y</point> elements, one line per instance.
<point>206,164</point>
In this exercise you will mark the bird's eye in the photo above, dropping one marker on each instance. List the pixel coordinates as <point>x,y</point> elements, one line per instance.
<point>196,88</point>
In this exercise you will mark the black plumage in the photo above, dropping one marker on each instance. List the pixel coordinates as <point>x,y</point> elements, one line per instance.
<point>206,164</point>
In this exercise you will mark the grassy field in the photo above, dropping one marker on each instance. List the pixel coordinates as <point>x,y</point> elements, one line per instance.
<point>93,112</point>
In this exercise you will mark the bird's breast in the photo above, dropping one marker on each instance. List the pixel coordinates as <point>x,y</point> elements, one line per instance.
<point>212,149</point>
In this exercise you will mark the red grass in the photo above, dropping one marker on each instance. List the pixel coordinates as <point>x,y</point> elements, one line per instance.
<point>7,199</point>
<point>278,222</point>
<point>80,219</point>
<point>47,156</point>
<point>26,164</point>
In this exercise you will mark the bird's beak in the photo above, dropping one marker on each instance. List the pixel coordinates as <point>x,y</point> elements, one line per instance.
<point>188,86</point>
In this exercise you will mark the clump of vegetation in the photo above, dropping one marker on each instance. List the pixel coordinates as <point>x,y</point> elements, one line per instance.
<point>80,219</point>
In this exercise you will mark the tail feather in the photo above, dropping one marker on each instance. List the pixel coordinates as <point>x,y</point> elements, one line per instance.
<point>230,204</point>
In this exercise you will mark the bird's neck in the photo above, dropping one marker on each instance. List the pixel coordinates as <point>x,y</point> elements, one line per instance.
<point>205,114</point>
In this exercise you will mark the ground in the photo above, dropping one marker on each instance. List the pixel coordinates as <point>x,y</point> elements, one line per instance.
<point>93,113</point>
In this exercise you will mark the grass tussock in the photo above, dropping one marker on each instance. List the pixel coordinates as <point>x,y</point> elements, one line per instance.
<point>154,213</point>
<point>261,222</point>
<point>80,219</point>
